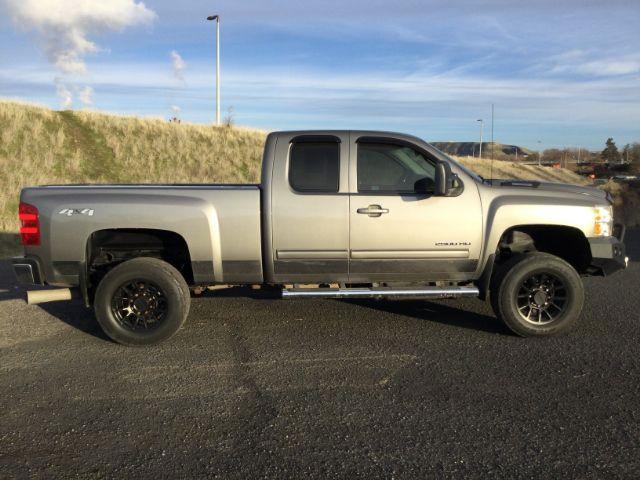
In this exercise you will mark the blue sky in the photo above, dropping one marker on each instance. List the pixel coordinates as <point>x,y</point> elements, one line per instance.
<point>563,72</point>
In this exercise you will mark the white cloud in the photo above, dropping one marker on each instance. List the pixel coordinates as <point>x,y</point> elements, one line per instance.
<point>64,27</point>
<point>175,109</point>
<point>179,65</point>
<point>609,67</point>
<point>64,94</point>
<point>86,96</point>
<point>593,64</point>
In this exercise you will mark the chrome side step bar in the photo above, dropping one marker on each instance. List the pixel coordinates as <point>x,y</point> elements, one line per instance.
<point>382,292</point>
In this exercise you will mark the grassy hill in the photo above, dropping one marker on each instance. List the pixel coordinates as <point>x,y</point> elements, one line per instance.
<point>511,170</point>
<point>40,146</point>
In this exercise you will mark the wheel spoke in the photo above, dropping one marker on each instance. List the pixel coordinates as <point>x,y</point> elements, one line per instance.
<point>139,305</point>
<point>130,290</point>
<point>537,294</point>
<point>553,304</point>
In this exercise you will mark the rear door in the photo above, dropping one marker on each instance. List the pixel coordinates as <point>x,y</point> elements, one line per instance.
<point>398,229</point>
<point>310,208</point>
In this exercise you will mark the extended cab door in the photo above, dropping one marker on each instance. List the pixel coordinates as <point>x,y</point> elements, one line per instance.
<point>310,208</point>
<point>399,230</point>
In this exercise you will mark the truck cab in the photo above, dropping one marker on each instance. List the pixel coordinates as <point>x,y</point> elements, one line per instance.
<point>359,207</point>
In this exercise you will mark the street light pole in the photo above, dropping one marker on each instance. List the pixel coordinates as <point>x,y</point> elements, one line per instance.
<point>217,20</point>
<point>481,125</point>
<point>539,153</point>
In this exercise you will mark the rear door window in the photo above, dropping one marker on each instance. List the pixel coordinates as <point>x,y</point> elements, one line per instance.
<point>315,166</point>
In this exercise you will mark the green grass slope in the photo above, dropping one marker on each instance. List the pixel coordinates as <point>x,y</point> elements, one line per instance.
<point>41,146</point>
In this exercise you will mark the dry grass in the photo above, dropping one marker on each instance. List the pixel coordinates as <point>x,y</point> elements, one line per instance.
<point>511,170</point>
<point>145,151</point>
<point>40,146</point>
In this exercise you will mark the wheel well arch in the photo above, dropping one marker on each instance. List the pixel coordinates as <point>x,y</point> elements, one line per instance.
<point>566,242</point>
<point>107,248</point>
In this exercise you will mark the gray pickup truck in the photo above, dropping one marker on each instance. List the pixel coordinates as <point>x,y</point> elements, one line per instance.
<point>338,214</point>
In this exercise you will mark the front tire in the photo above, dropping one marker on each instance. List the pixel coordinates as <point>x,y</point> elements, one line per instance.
<point>143,301</point>
<point>537,294</point>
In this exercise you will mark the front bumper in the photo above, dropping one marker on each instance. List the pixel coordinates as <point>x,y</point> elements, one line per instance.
<point>27,271</point>
<point>608,253</point>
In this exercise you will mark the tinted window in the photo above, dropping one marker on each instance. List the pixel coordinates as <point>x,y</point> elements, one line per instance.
<point>315,166</point>
<point>387,168</point>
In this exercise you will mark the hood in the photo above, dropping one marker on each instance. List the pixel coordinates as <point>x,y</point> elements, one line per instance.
<point>591,192</point>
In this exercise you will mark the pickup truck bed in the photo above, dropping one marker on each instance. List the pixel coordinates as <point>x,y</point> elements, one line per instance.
<point>220,225</point>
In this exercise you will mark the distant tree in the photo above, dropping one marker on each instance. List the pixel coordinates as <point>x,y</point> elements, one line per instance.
<point>229,118</point>
<point>552,155</point>
<point>610,153</point>
<point>631,152</point>
<point>625,152</point>
<point>569,157</point>
<point>590,157</point>
<point>634,153</point>
<point>535,156</point>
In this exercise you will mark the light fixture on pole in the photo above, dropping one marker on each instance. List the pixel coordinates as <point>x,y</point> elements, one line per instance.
<point>217,20</point>
<point>481,125</point>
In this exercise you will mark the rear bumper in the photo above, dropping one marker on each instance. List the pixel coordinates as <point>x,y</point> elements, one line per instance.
<point>27,270</point>
<point>608,253</point>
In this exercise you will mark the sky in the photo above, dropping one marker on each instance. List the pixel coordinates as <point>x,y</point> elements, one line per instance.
<point>561,73</point>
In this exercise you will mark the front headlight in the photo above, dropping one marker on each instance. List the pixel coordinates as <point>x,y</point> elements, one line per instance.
<point>603,221</point>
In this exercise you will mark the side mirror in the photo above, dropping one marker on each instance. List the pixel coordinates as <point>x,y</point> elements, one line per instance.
<point>444,179</point>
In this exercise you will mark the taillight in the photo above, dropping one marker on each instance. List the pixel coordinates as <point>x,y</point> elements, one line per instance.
<point>30,224</point>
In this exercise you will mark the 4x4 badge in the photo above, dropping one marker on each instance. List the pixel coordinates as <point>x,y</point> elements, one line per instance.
<point>76,211</point>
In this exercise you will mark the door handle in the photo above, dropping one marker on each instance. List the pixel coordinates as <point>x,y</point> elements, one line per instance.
<point>373,210</point>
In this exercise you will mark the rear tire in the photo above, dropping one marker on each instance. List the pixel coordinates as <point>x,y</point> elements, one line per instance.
<point>537,294</point>
<point>143,301</point>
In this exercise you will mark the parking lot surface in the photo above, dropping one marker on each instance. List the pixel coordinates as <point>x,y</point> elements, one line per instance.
<point>324,389</point>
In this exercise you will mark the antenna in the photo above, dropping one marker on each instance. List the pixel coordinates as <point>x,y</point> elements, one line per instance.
<point>492,143</point>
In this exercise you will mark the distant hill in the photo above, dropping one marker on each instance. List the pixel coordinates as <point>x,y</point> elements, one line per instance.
<point>472,149</point>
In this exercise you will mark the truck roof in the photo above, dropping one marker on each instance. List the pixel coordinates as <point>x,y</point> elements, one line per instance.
<point>373,133</point>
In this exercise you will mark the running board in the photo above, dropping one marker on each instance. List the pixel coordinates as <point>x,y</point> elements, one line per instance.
<point>382,292</point>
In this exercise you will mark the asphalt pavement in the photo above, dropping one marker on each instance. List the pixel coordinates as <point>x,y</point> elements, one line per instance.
<point>324,389</point>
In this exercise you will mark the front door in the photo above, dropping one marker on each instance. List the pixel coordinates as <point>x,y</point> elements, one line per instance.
<point>398,229</point>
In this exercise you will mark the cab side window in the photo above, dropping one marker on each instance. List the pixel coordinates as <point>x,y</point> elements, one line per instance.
<point>393,169</point>
<point>315,166</point>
